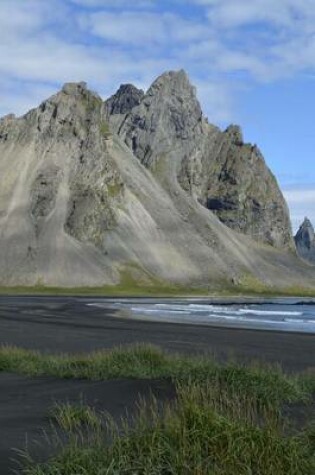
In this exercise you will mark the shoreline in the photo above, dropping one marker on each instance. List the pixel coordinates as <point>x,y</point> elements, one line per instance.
<point>64,325</point>
<point>211,299</point>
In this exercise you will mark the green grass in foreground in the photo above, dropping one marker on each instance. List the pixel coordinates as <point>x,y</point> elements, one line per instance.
<point>73,416</point>
<point>269,384</point>
<point>206,431</point>
<point>227,419</point>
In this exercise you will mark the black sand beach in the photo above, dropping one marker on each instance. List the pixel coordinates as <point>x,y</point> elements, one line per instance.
<point>68,325</point>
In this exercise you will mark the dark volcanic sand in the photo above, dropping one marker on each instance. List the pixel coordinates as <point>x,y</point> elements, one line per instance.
<point>67,325</point>
<point>25,404</point>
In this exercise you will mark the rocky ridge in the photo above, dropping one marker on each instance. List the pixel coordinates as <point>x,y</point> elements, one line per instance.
<point>93,191</point>
<point>167,130</point>
<point>305,241</point>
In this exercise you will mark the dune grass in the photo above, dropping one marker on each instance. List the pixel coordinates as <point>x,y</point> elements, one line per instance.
<point>211,429</point>
<point>269,383</point>
<point>226,419</point>
<point>71,417</point>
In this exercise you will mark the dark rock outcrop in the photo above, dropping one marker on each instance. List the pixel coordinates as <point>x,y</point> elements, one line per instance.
<point>305,241</point>
<point>243,193</point>
<point>126,98</point>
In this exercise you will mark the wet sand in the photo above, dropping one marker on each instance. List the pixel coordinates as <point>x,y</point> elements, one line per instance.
<point>68,325</point>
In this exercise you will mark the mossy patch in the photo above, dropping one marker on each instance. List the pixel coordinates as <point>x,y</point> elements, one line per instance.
<point>105,130</point>
<point>114,189</point>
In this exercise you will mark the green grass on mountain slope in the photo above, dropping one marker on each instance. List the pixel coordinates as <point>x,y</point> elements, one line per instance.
<point>135,281</point>
<point>159,291</point>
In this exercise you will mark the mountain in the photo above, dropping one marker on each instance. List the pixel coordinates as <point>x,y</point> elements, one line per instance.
<point>166,130</point>
<point>305,241</point>
<point>139,188</point>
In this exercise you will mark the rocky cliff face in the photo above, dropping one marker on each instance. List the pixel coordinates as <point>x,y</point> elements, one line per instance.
<point>168,133</point>
<point>92,191</point>
<point>57,182</point>
<point>305,241</point>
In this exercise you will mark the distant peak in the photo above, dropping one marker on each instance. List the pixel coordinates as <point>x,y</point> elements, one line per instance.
<point>305,228</point>
<point>124,100</point>
<point>128,88</point>
<point>306,231</point>
<point>305,241</point>
<point>306,223</point>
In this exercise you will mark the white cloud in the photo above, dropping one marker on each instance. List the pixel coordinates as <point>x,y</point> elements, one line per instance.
<point>217,101</point>
<point>20,98</point>
<point>48,43</point>
<point>143,28</point>
<point>266,38</point>
<point>299,196</point>
<point>301,201</point>
<point>236,13</point>
<point>115,3</point>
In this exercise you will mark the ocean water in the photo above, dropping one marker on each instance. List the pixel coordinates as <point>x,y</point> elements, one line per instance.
<point>278,314</point>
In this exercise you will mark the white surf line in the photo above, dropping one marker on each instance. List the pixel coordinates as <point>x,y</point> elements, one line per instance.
<point>156,310</point>
<point>229,310</point>
<point>268,312</point>
<point>197,308</point>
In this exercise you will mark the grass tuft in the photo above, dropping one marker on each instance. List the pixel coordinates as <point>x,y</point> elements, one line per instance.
<point>71,417</point>
<point>269,383</point>
<point>204,432</point>
<point>227,419</point>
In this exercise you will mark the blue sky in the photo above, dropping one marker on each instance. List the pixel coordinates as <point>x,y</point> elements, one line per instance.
<point>253,63</point>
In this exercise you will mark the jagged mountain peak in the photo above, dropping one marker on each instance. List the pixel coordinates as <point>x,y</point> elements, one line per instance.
<point>75,91</point>
<point>159,95</point>
<point>167,132</point>
<point>74,109</point>
<point>235,133</point>
<point>78,204</point>
<point>175,85</point>
<point>305,234</point>
<point>307,224</point>
<point>166,115</point>
<point>305,241</point>
<point>176,78</point>
<point>124,100</point>
<point>74,88</point>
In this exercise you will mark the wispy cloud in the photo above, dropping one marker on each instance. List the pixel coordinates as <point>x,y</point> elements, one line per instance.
<point>223,44</point>
<point>237,13</point>
<point>105,42</point>
<point>143,29</point>
<point>115,3</point>
<point>301,201</point>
